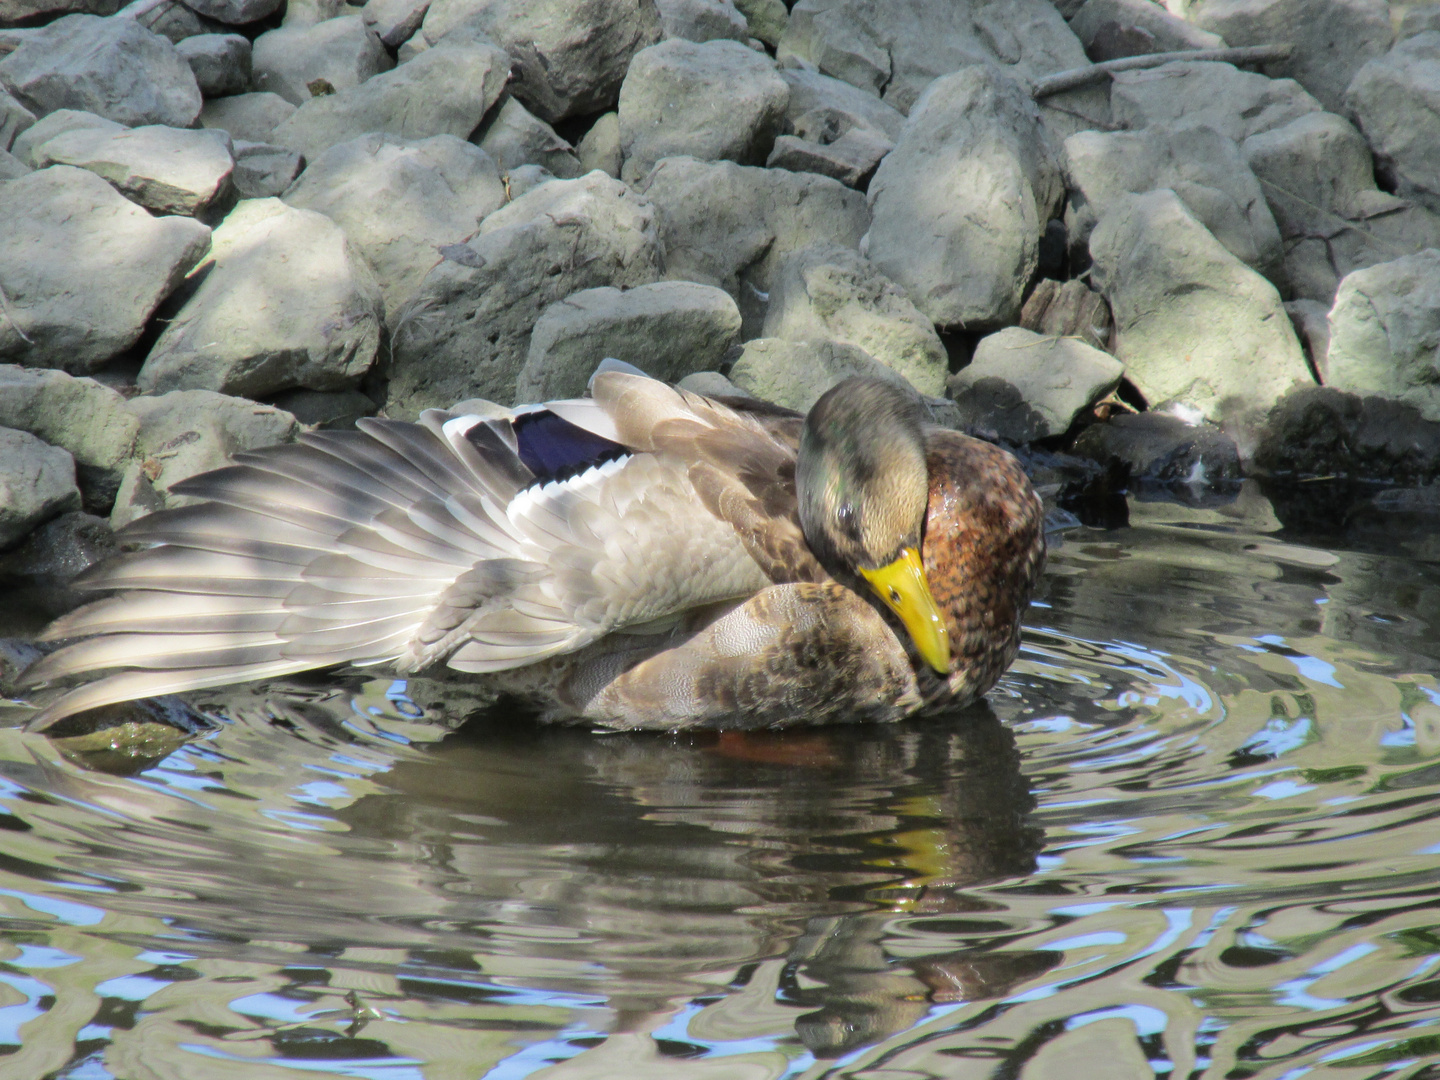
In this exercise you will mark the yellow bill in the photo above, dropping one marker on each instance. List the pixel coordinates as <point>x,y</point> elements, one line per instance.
<point>903,587</point>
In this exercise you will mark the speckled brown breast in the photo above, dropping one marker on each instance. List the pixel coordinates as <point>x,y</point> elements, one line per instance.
<point>984,550</point>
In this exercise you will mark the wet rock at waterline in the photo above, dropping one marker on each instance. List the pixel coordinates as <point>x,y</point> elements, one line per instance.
<point>1158,448</point>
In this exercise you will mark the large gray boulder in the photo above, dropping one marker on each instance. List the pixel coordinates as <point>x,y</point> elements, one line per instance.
<point>112,67</point>
<point>795,373</point>
<point>767,19</point>
<point>287,302</point>
<point>11,167</point>
<point>57,123</point>
<point>84,268</point>
<point>1319,179</point>
<point>668,329</point>
<point>896,48</point>
<point>1110,29</point>
<point>1331,38</point>
<point>1385,332</point>
<point>221,62</point>
<point>514,136</point>
<point>958,206</point>
<point>1194,325</point>
<point>338,53</point>
<point>1203,167</point>
<point>234,12</point>
<point>164,169</point>
<point>817,100</point>
<point>14,118</point>
<point>466,332</point>
<point>1023,386</point>
<point>832,293</point>
<point>1192,93</point>
<point>401,201</point>
<point>37,482</point>
<point>172,20</point>
<point>730,225</point>
<point>571,55</point>
<point>263,171</point>
<point>38,12</point>
<point>446,90</point>
<point>395,21</point>
<point>1393,100</point>
<point>249,117</point>
<point>702,20</point>
<point>717,100</point>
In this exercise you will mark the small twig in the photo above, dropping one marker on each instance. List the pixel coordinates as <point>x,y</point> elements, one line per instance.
<point>1071,80</point>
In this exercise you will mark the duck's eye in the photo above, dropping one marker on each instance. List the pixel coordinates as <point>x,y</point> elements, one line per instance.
<point>846,514</point>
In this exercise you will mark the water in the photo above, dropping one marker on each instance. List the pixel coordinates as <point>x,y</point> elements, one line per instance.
<point>1193,834</point>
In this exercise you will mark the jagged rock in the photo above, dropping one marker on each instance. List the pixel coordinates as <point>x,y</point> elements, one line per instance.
<point>57,123</point>
<point>714,101</point>
<point>1163,449</point>
<point>335,410</point>
<point>1204,168</point>
<point>767,19</point>
<point>1385,332</point>
<point>1319,179</point>
<point>37,482</point>
<point>896,48</point>
<point>571,55</point>
<point>1024,387</point>
<point>852,158</point>
<point>1331,38</point>
<point>667,329</point>
<point>263,171</point>
<point>221,62</point>
<point>466,332</point>
<point>164,169</point>
<point>11,167</point>
<point>1110,29</point>
<point>960,203</point>
<point>600,147</point>
<point>702,20</point>
<point>513,136</point>
<point>112,67</point>
<point>14,118</point>
<point>185,433</point>
<point>822,105</point>
<point>795,373</point>
<point>84,268</point>
<point>249,117</point>
<point>1194,325</point>
<point>446,90</point>
<point>1322,431</point>
<point>1068,309</point>
<point>287,302</point>
<point>400,202</point>
<point>235,12</point>
<point>730,225</point>
<point>832,293</point>
<point>342,53</point>
<point>1191,93</point>
<point>1391,99</point>
<point>395,21</point>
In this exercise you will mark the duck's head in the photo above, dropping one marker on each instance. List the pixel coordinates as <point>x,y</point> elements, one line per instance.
<point>863,487</point>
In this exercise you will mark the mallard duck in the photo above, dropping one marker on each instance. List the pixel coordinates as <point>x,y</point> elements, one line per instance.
<point>642,558</point>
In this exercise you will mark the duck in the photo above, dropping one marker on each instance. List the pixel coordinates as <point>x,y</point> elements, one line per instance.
<point>641,558</point>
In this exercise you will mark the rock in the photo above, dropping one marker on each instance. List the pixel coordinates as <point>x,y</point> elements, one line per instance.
<point>731,226</point>
<point>525,178</point>
<point>335,410</point>
<point>445,90</point>
<point>39,12</point>
<point>767,19</point>
<point>84,268</point>
<point>795,373</point>
<point>1331,38</point>
<point>711,384</point>
<point>958,206</point>
<point>513,136</point>
<point>14,118</point>
<point>400,202</point>
<point>832,293</point>
<point>299,13</point>
<point>1194,325</point>
<point>339,53</point>
<point>59,550</point>
<point>57,123</point>
<point>851,159</point>
<point>171,19</point>
<point>1163,449</point>
<point>1189,93</point>
<point>81,416</point>
<point>263,171</point>
<point>248,117</point>
<point>1322,431</point>
<point>1110,29</point>
<point>221,62</point>
<point>600,147</point>
<point>11,167</point>
<point>395,21</point>
<point>714,101</point>
<point>287,302</point>
<point>1391,99</point>
<point>185,433</point>
<point>702,20</point>
<point>896,48</point>
<point>1417,19</point>
<point>1319,179</point>
<point>411,49</point>
<point>1385,332</point>
<point>112,67</point>
<point>234,12</point>
<point>37,481</point>
<point>1068,309</point>
<point>667,329</point>
<point>166,170</point>
<point>467,331</point>
<point>1311,320</point>
<point>818,102</point>
<point>1204,168</point>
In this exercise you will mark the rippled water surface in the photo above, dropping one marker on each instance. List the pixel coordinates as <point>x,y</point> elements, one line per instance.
<point>1193,834</point>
